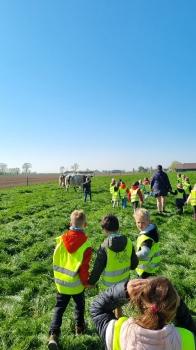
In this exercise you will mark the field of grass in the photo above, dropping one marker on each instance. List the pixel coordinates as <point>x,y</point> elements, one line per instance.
<point>30,219</point>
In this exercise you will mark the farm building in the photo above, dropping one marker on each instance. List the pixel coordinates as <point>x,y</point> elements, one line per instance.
<point>182,167</point>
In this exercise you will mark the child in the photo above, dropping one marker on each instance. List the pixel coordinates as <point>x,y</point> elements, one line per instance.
<point>136,195</point>
<point>115,196</point>
<point>187,187</point>
<point>115,257</point>
<point>148,251</point>
<point>179,179</point>
<point>142,188</point>
<point>192,199</point>
<point>71,260</point>
<point>157,302</point>
<point>112,184</point>
<point>87,189</point>
<point>180,197</point>
<point>123,194</point>
<point>146,182</point>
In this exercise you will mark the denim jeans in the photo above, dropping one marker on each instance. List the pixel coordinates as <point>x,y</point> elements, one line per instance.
<point>85,196</point>
<point>62,300</point>
<point>124,202</point>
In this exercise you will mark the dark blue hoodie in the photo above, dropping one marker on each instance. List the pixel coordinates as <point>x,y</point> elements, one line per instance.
<point>160,181</point>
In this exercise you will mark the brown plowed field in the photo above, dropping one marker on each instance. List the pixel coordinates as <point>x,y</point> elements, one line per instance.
<point>24,180</point>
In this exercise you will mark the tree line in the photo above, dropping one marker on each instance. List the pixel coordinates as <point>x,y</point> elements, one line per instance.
<point>4,170</point>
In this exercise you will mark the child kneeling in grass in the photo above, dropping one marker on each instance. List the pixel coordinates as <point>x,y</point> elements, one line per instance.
<point>157,302</point>
<point>147,245</point>
<point>115,257</point>
<point>71,260</point>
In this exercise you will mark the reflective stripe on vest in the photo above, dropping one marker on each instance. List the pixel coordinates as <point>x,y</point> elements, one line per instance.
<point>118,266</point>
<point>193,198</point>
<point>187,337</point>
<point>66,266</point>
<point>151,263</point>
<point>134,195</point>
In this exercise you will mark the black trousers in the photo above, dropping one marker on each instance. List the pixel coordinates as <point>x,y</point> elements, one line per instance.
<point>62,300</point>
<point>180,204</point>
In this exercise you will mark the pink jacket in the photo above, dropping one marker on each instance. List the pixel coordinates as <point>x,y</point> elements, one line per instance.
<point>134,337</point>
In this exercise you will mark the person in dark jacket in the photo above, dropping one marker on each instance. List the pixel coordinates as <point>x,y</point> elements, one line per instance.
<point>160,185</point>
<point>87,189</point>
<point>115,254</point>
<point>158,302</point>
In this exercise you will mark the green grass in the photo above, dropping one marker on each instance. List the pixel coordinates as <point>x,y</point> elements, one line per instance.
<point>31,218</point>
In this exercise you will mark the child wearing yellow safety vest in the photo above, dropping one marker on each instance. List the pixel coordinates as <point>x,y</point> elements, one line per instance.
<point>148,251</point>
<point>115,258</point>
<point>187,187</point>
<point>71,260</point>
<point>123,193</point>
<point>115,196</point>
<point>180,197</point>
<point>136,195</point>
<point>192,199</point>
<point>157,303</point>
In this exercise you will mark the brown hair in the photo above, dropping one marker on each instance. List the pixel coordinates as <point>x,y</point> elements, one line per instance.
<point>110,223</point>
<point>157,302</point>
<point>78,218</point>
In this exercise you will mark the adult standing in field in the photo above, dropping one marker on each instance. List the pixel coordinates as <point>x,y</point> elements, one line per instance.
<point>161,186</point>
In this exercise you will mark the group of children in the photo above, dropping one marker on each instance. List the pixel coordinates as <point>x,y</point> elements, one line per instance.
<point>140,190</point>
<point>136,194</point>
<point>156,299</point>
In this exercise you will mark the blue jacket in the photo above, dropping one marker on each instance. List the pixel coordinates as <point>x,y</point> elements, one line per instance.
<point>160,181</point>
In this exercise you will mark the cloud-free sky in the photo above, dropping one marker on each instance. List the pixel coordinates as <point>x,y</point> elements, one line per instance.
<point>106,84</point>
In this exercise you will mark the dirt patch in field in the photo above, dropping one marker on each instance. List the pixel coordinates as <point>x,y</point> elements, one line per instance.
<point>23,180</point>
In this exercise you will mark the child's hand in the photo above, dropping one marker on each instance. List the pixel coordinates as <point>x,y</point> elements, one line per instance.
<point>134,286</point>
<point>89,286</point>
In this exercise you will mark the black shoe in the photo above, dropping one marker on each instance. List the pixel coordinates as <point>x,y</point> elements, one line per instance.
<point>53,342</point>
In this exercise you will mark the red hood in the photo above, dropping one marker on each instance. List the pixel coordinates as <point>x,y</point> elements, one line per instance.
<point>123,186</point>
<point>73,240</point>
<point>146,182</point>
<point>134,187</point>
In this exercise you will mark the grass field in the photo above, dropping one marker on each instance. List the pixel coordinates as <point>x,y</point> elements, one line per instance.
<point>30,219</point>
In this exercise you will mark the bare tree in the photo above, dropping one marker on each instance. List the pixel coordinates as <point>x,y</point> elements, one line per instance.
<point>3,168</point>
<point>14,171</point>
<point>75,167</point>
<point>62,169</point>
<point>26,167</point>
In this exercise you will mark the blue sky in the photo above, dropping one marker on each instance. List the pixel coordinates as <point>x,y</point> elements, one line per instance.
<point>106,84</point>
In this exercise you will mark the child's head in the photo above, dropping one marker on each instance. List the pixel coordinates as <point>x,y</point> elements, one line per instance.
<point>110,223</point>
<point>136,183</point>
<point>113,181</point>
<point>179,185</point>
<point>146,179</point>
<point>187,179</point>
<point>178,175</point>
<point>142,218</point>
<point>78,219</point>
<point>140,182</point>
<point>157,302</point>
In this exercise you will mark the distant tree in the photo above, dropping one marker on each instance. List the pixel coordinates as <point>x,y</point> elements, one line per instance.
<point>26,167</point>
<point>151,169</point>
<point>14,171</point>
<point>3,168</point>
<point>87,170</point>
<point>141,169</point>
<point>75,167</point>
<point>173,165</point>
<point>62,169</point>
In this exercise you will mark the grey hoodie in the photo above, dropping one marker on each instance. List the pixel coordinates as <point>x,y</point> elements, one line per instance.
<point>116,243</point>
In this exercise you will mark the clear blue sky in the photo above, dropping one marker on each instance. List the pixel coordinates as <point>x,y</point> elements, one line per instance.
<point>106,84</point>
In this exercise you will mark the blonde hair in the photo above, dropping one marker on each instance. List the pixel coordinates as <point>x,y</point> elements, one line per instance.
<point>78,218</point>
<point>142,214</point>
<point>157,302</point>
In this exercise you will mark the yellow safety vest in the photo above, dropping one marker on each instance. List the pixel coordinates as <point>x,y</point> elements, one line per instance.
<point>111,188</point>
<point>116,195</point>
<point>134,195</point>
<point>151,262</point>
<point>123,192</point>
<point>180,195</point>
<point>187,337</point>
<point>193,198</point>
<point>142,188</point>
<point>118,266</point>
<point>186,187</point>
<point>66,266</point>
